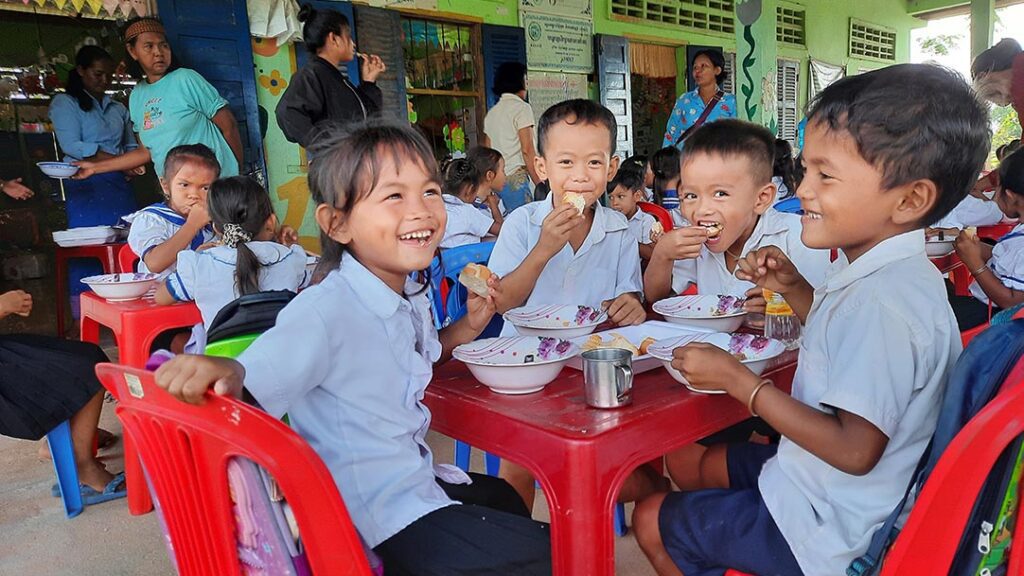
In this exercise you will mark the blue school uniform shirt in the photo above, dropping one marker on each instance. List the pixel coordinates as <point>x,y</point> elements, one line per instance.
<point>154,225</point>
<point>357,395</point>
<point>81,134</point>
<point>879,342</point>
<point>688,109</point>
<point>178,109</point>
<point>606,265</point>
<point>208,279</point>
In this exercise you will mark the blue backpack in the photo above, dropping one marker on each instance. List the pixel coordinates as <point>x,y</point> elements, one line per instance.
<point>975,380</point>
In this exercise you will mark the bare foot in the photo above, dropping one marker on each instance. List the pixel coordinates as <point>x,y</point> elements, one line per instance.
<point>94,475</point>
<point>104,439</point>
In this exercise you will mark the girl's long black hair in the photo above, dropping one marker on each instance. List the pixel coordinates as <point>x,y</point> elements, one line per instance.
<point>665,166</point>
<point>241,201</point>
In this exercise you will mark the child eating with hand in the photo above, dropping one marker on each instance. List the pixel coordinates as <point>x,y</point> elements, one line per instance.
<point>627,188</point>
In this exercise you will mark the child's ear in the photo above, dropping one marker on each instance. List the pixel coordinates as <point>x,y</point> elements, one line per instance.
<point>613,168</point>
<point>916,199</point>
<point>541,166</point>
<point>165,186</point>
<point>271,224</point>
<point>490,176</point>
<point>765,198</point>
<point>333,223</point>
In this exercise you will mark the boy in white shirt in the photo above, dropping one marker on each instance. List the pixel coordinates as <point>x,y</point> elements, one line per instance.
<point>549,252</point>
<point>879,341</point>
<point>627,188</point>
<point>727,192</point>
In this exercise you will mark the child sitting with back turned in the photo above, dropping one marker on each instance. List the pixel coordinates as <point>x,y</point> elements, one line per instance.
<point>998,270</point>
<point>464,184</point>
<point>568,249</point>
<point>664,168</point>
<point>491,164</point>
<point>627,188</point>
<point>887,153</point>
<point>181,222</point>
<point>249,260</point>
<point>356,395</point>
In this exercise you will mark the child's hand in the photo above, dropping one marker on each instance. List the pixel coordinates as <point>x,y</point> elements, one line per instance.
<point>708,367</point>
<point>287,235</point>
<point>625,310</point>
<point>15,189</point>
<point>555,231</point>
<point>198,217</point>
<point>188,377</point>
<point>968,248</point>
<point>770,268</point>
<point>755,303</point>
<point>15,302</point>
<point>480,310</point>
<point>681,243</point>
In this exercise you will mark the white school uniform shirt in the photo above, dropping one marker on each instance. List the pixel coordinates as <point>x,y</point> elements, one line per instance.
<point>774,228</point>
<point>640,226</point>
<point>879,342</point>
<point>357,395</point>
<point>154,225</point>
<point>606,265</point>
<point>1007,263</point>
<point>466,223</point>
<point>971,211</point>
<point>208,278</point>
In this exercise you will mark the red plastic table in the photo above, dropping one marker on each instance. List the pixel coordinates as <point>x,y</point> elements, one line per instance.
<point>135,325</point>
<point>958,273</point>
<point>581,455</point>
<point>105,253</point>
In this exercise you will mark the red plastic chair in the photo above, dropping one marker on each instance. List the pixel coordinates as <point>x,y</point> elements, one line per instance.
<point>995,231</point>
<point>126,259</point>
<point>658,212</point>
<point>105,253</point>
<point>186,450</point>
<point>928,542</point>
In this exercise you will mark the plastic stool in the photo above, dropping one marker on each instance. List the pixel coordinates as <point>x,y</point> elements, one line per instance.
<point>63,453</point>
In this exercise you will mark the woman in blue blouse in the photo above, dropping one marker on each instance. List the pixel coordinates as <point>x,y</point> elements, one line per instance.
<point>92,126</point>
<point>708,70</point>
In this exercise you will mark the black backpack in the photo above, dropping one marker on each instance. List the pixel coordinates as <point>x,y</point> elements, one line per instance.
<point>249,314</point>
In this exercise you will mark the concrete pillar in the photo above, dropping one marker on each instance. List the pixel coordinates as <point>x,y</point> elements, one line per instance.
<point>756,62</point>
<point>983,16</point>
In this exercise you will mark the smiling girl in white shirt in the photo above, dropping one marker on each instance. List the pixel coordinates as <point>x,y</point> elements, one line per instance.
<point>356,394</point>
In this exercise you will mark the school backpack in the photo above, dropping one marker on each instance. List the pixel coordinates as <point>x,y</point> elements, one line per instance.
<point>975,380</point>
<point>250,314</point>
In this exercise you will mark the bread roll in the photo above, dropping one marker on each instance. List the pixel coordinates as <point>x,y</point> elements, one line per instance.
<point>656,231</point>
<point>576,199</point>
<point>474,277</point>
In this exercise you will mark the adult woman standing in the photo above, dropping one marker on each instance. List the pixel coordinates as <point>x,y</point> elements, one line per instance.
<point>92,126</point>
<point>707,103</point>
<point>998,75</point>
<point>320,94</point>
<point>508,128</point>
<point>172,106</point>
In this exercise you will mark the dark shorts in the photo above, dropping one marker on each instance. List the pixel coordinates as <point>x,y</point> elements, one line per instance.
<point>710,531</point>
<point>489,533</point>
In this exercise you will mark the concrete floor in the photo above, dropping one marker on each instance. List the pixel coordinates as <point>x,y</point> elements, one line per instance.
<point>105,540</point>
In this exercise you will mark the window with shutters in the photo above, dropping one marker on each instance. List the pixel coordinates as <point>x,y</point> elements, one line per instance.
<point>730,67</point>
<point>790,25</point>
<point>872,41</point>
<point>444,82</point>
<point>788,96</point>
<point>699,15</point>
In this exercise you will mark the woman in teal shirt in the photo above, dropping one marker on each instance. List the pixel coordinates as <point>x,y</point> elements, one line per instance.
<point>169,108</point>
<point>708,70</point>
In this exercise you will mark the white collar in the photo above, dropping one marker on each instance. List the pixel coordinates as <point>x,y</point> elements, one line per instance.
<point>842,273</point>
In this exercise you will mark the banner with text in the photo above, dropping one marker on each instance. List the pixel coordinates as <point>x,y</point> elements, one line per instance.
<point>558,43</point>
<point>545,89</point>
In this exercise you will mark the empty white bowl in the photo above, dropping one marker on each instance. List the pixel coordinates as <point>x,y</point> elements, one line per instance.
<point>717,313</point>
<point>58,169</point>
<point>935,248</point>
<point>121,287</point>
<point>517,364</point>
<point>752,351</point>
<point>555,320</point>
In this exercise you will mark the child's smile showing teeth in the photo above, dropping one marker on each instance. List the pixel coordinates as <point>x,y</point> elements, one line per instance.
<point>419,237</point>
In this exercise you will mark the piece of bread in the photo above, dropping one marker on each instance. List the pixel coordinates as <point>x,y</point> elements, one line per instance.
<point>620,341</point>
<point>646,344</point>
<point>592,343</point>
<point>972,232</point>
<point>474,277</point>
<point>713,230</point>
<point>656,231</point>
<point>576,199</point>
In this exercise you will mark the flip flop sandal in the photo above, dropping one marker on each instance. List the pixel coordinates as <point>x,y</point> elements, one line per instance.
<point>91,496</point>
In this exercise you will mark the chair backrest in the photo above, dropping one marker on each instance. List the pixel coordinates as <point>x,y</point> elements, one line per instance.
<point>658,212</point>
<point>994,231</point>
<point>930,538</point>
<point>126,259</point>
<point>453,260</point>
<point>186,451</point>
<point>230,347</point>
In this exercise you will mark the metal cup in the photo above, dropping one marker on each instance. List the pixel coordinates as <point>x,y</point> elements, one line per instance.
<point>608,377</point>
